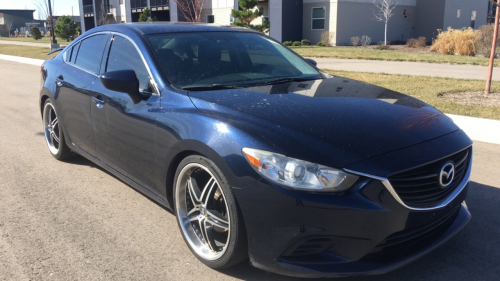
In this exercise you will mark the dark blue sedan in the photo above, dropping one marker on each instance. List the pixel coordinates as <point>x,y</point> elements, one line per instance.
<point>259,154</point>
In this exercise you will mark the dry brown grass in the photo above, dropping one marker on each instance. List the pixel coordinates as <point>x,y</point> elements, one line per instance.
<point>421,42</point>
<point>485,40</point>
<point>460,42</point>
<point>473,98</point>
<point>355,40</point>
<point>328,37</point>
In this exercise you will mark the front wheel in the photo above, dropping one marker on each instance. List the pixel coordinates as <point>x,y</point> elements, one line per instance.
<point>207,214</point>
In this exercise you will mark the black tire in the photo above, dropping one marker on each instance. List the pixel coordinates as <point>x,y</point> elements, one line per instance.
<point>63,151</point>
<point>237,247</point>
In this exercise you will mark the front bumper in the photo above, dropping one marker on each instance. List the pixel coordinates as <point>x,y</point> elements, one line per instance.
<point>326,235</point>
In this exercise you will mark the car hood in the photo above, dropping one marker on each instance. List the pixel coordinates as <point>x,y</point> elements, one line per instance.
<point>334,121</point>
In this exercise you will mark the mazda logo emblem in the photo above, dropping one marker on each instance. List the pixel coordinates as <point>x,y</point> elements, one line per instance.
<point>447,174</point>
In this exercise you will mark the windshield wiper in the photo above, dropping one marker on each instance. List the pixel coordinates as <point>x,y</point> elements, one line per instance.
<point>285,80</point>
<point>209,87</point>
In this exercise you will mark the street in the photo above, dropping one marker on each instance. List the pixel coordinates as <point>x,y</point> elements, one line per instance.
<point>74,221</point>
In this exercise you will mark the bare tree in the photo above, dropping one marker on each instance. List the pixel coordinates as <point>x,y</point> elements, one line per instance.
<point>43,9</point>
<point>192,10</point>
<point>384,13</point>
<point>7,26</point>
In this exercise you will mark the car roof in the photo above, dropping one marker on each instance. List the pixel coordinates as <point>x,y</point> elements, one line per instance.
<point>167,27</point>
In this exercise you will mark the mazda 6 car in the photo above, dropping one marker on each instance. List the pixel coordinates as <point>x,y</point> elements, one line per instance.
<point>260,155</point>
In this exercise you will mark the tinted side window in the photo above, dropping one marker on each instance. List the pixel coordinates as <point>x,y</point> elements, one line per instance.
<point>90,53</point>
<point>124,56</point>
<point>74,52</point>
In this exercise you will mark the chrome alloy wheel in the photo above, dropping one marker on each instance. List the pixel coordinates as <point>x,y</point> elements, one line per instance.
<point>51,128</point>
<point>202,211</point>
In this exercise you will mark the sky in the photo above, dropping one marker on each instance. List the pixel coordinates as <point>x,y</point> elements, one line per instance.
<point>62,7</point>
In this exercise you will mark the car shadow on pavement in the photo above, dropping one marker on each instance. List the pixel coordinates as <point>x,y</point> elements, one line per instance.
<point>472,254</point>
<point>80,160</point>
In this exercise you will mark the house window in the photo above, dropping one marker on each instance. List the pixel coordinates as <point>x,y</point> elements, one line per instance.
<point>491,13</point>
<point>318,18</point>
<point>210,19</point>
<point>459,13</point>
<point>473,19</point>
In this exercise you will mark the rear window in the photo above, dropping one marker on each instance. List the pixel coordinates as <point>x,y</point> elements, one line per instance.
<point>90,52</point>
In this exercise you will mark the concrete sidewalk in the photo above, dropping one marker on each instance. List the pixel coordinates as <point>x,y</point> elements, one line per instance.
<point>409,68</point>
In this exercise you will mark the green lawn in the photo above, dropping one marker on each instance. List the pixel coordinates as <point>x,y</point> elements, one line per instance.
<point>26,51</point>
<point>390,55</point>
<point>428,88</point>
<point>30,39</point>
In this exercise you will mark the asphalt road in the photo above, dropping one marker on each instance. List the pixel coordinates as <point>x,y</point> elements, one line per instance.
<point>74,221</point>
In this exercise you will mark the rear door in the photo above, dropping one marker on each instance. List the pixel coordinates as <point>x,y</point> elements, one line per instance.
<point>75,78</point>
<point>124,130</point>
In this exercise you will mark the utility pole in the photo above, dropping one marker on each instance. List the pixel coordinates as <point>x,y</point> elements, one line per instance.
<point>493,48</point>
<point>53,44</point>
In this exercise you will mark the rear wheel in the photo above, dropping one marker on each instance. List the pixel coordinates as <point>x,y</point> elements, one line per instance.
<point>207,214</point>
<point>54,133</point>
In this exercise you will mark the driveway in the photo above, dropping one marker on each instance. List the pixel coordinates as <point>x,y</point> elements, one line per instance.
<point>74,221</point>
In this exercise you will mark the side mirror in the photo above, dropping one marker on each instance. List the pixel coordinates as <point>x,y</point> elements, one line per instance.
<point>312,62</point>
<point>124,81</point>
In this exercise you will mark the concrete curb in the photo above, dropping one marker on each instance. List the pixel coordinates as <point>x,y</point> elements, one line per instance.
<point>478,129</point>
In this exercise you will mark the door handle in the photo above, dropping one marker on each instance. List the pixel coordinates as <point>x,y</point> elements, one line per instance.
<point>59,80</point>
<point>98,102</point>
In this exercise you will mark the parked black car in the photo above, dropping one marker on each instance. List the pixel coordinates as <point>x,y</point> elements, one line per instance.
<point>259,154</point>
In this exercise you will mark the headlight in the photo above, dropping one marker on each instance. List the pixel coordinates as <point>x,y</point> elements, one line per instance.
<point>298,174</point>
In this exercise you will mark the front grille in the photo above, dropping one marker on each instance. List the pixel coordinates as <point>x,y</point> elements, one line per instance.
<point>420,187</point>
<point>415,237</point>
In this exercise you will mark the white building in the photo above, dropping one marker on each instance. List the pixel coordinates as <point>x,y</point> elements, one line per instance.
<point>293,20</point>
<point>97,12</point>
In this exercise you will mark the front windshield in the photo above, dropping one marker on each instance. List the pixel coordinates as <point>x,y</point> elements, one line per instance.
<point>230,59</point>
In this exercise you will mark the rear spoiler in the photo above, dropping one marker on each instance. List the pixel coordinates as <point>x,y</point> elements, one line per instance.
<point>56,50</point>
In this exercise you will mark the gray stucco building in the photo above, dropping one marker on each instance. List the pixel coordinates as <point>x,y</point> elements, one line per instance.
<point>348,18</point>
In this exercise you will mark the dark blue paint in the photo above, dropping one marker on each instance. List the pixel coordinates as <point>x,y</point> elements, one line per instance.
<point>335,121</point>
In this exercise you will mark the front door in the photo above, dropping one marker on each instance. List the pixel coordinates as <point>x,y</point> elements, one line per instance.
<point>124,130</point>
